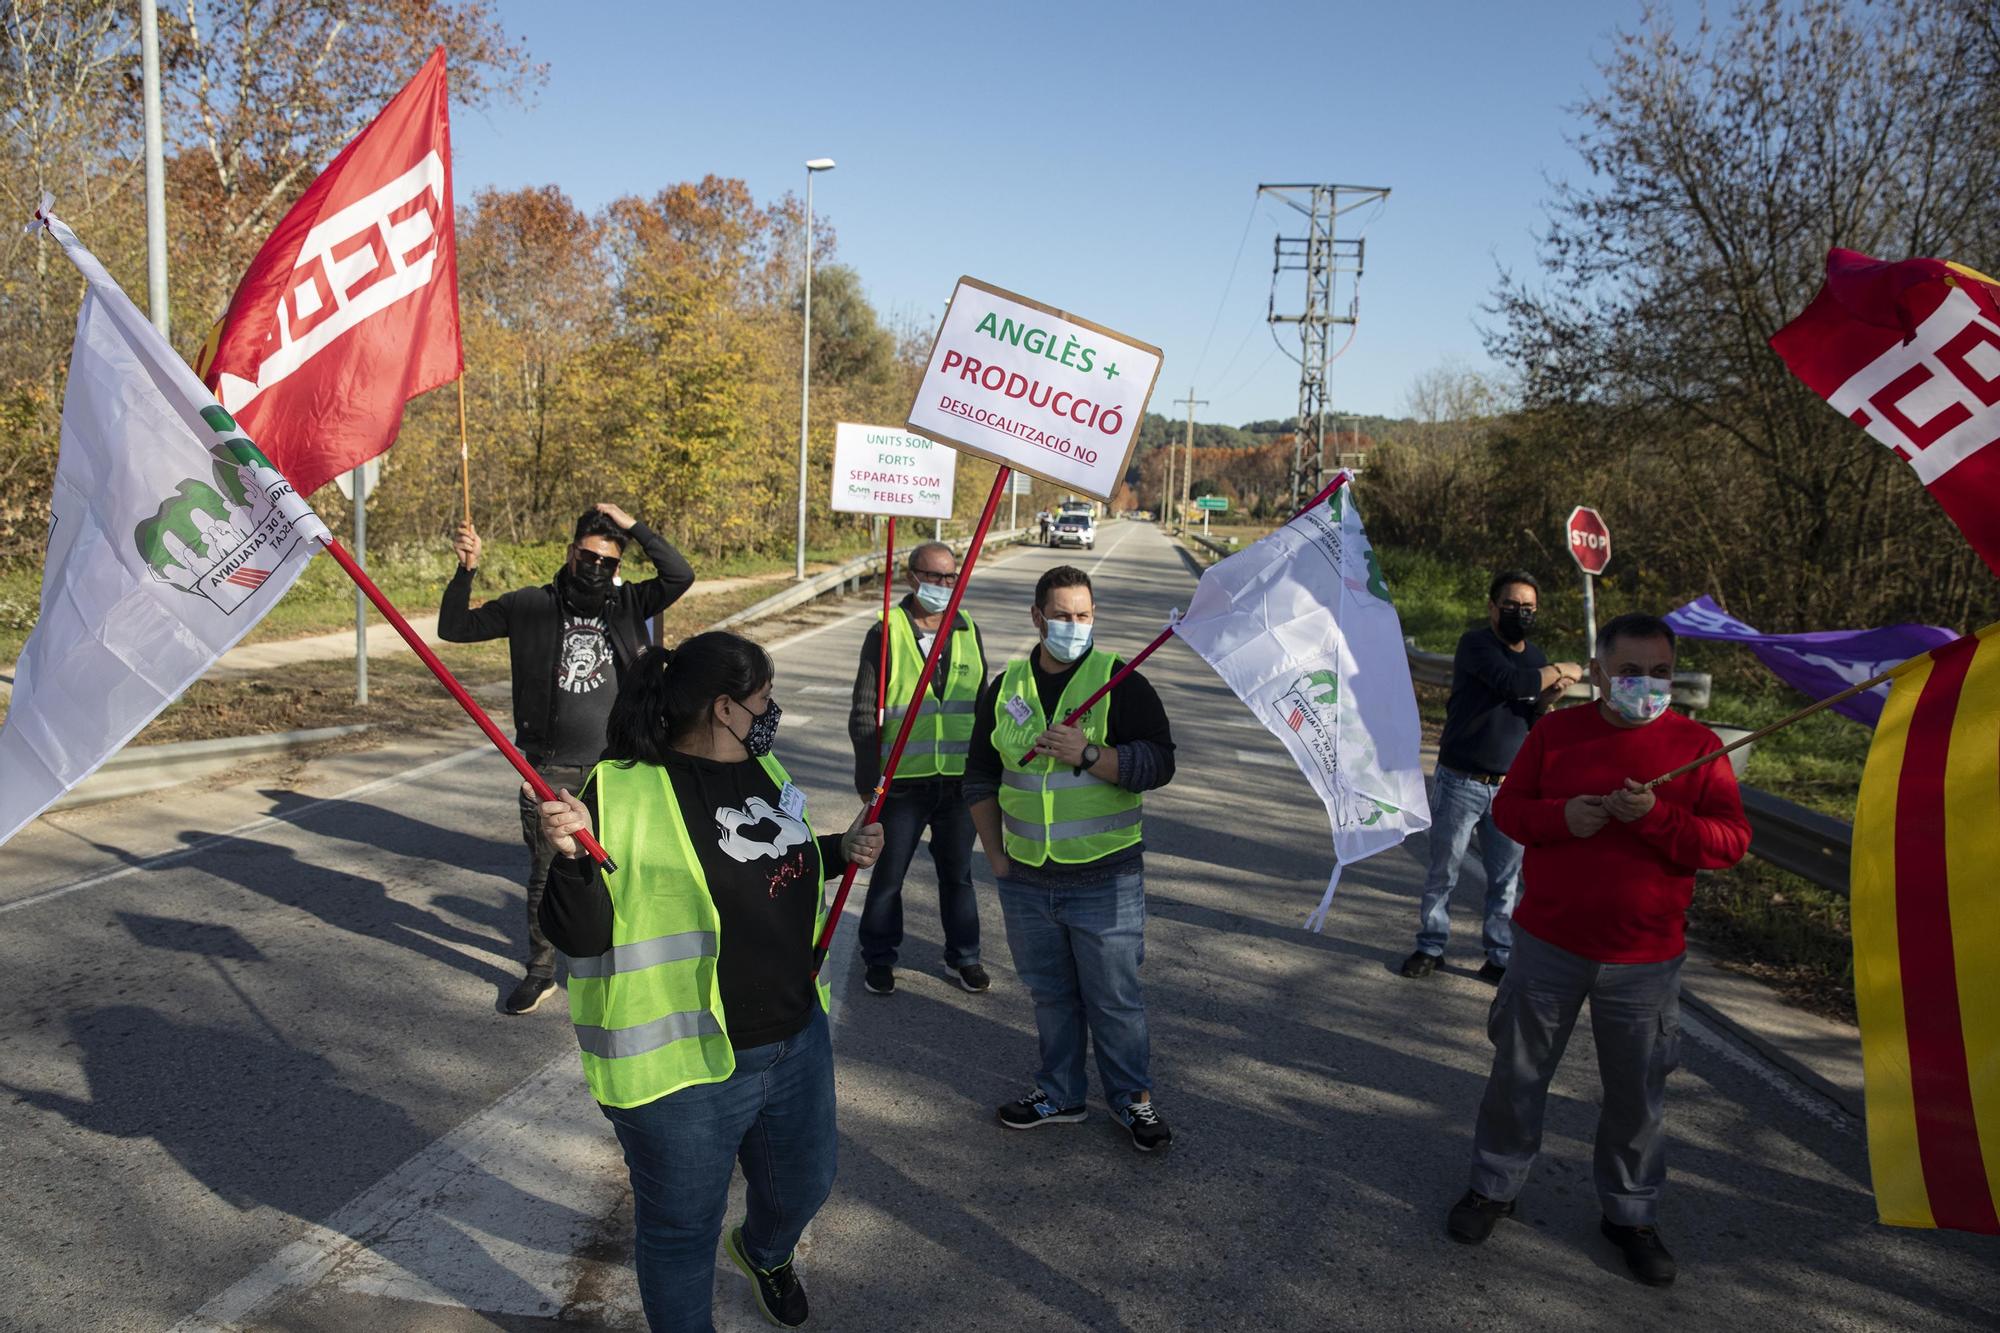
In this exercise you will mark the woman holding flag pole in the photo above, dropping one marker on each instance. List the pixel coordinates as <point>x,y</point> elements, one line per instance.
<point>693,989</point>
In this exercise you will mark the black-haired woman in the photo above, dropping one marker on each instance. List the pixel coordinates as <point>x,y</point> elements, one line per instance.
<point>702,1027</point>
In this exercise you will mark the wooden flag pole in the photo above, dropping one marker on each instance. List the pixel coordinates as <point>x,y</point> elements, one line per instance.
<point>457,691</point>
<point>910,714</point>
<point>882,650</point>
<point>464,454</point>
<point>1805,712</point>
<point>1167,633</point>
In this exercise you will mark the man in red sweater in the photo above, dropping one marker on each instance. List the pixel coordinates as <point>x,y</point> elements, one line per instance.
<point>1607,879</point>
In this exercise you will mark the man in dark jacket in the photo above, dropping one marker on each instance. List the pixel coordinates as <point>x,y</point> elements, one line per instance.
<point>1500,683</point>
<point>569,641</point>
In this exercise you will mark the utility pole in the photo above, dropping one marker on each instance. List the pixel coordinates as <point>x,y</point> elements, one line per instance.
<point>1187,473</point>
<point>1323,256</point>
<point>1167,493</point>
<point>156,172</point>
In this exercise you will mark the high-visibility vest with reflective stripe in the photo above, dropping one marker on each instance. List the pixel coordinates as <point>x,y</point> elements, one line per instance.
<point>648,1012</point>
<point>942,733</point>
<point>1048,811</point>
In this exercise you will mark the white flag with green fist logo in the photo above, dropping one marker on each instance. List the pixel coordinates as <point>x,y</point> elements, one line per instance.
<point>1301,627</point>
<point>170,535</point>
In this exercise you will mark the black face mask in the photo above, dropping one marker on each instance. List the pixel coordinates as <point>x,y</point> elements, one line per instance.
<point>1515,624</point>
<point>763,730</point>
<point>586,589</point>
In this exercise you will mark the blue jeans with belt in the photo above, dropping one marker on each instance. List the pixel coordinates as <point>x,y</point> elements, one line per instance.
<point>1078,951</point>
<point>775,1116</point>
<point>1460,807</point>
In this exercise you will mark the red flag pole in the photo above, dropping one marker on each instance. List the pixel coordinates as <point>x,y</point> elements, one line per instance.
<point>882,652</point>
<point>1168,632</point>
<point>457,691</point>
<point>910,713</point>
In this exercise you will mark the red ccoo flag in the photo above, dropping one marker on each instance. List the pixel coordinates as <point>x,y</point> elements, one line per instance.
<point>1910,352</point>
<point>351,308</point>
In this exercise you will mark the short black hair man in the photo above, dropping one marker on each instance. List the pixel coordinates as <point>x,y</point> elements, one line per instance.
<point>1063,833</point>
<point>568,642</point>
<point>1500,683</point>
<point>1609,875</point>
<point>929,790</point>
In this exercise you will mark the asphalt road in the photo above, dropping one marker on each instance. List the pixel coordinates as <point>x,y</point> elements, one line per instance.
<point>208,1058</point>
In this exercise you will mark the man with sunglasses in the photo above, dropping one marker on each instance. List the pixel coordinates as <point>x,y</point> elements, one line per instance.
<point>568,642</point>
<point>928,791</point>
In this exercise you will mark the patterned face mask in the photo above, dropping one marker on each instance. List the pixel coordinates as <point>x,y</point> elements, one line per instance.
<point>1640,698</point>
<point>763,730</point>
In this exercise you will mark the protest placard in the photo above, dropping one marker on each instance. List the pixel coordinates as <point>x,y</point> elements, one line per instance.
<point>1036,388</point>
<point>887,470</point>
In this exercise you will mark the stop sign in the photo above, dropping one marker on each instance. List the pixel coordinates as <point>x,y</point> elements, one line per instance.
<point>1589,540</point>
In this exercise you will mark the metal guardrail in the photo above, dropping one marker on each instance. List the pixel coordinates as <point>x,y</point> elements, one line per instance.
<point>1804,842</point>
<point>848,578</point>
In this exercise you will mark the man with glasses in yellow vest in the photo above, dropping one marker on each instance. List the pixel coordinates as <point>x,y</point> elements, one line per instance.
<point>928,791</point>
<point>1064,834</point>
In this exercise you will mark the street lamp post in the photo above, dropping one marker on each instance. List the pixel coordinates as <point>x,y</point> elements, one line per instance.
<point>816,165</point>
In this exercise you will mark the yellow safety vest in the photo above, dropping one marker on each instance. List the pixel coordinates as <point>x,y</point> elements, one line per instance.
<point>942,733</point>
<point>648,1012</point>
<point>1048,811</point>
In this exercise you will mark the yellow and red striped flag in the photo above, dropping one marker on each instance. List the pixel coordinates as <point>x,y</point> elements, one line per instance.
<point>1926,904</point>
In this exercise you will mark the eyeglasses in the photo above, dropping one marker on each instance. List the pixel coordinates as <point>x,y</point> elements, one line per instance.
<point>932,576</point>
<point>586,559</point>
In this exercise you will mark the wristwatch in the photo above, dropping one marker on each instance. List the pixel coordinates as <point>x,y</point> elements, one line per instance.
<point>1091,754</point>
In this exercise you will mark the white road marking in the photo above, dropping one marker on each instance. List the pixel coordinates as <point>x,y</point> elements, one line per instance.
<point>1787,1087</point>
<point>803,635</point>
<point>268,821</point>
<point>822,689</point>
<point>437,1227</point>
<point>1265,758</point>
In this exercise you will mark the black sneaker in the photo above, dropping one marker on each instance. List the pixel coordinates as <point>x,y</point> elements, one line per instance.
<point>1645,1255</point>
<point>1473,1218</point>
<point>780,1294</point>
<point>1036,1111</point>
<point>1420,964</point>
<point>1491,971</point>
<point>973,977</point>
<point>531,992</point>
<point>1149,1132</point>
<point>880,980</point>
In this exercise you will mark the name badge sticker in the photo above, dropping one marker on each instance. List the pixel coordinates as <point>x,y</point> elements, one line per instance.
<point>1017,708</point>
<point>792,801</point>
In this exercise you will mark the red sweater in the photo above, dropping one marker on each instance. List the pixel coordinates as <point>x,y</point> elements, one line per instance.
<point>1620,895</point>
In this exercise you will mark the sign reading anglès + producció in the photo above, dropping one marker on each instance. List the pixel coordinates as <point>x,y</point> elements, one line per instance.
<point>1035,388</point>
<point>882,470</point>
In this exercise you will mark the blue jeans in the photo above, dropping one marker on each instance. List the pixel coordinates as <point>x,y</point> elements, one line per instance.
<point>1078,952</point>
<point>775,1115</point>
<point>911,807</point>
<point>1458,807</point>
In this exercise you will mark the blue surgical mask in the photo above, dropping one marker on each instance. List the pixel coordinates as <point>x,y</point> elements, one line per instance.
<point>933,598</point>
<point>1066,640</point>
<point>1640,698</point>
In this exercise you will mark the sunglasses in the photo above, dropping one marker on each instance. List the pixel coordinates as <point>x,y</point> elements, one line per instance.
<point>587,559</point>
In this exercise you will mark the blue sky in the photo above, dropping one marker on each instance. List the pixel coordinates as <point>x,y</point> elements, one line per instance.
<point>1103,158</point>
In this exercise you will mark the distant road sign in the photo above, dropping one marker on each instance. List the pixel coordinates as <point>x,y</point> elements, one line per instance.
<point>1020,483</point>
<point>1589,540</point>
<point>1219,503</point>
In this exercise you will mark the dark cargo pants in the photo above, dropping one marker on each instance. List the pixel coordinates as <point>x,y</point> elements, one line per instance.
<point>1635,1020</point>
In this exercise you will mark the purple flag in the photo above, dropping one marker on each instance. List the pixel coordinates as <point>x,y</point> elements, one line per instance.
<point>1818,664</point>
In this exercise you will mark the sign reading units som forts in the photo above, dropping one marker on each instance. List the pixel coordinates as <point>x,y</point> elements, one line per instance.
<point>1042,391</point>
<point>884,470</point>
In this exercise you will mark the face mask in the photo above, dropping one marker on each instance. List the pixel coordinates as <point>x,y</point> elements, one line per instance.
<point>763,730</point>
<point>933,598</point>
<point>1640,698</point>
<point>1066,640</point>
<point>1515,623</point>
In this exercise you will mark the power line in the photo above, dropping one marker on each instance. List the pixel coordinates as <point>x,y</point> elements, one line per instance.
<point>1226,287</point>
